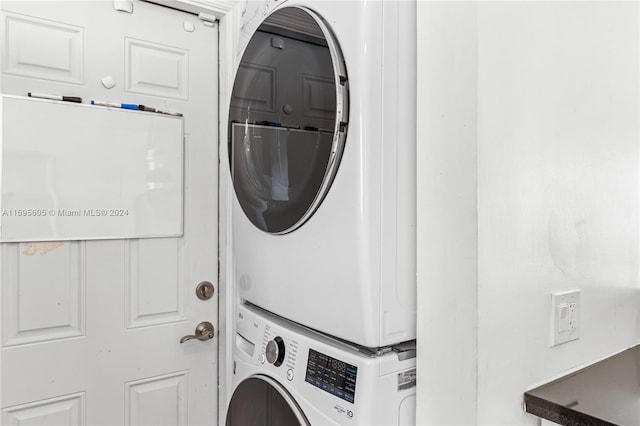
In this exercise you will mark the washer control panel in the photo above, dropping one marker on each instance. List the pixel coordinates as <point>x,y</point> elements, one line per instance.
<point>324,374</point>
<point>279,349</point>
<point>332,375</point>
<point>323,371</point>
<point>275,351</point>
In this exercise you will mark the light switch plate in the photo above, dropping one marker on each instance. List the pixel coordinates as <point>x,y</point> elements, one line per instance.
<point>565,316</point>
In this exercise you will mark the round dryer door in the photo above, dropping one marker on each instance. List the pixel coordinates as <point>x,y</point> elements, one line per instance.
<point>287,120</point>
<point>261,401</point>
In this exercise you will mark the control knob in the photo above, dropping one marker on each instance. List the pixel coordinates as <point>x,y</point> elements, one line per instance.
<point>275,351</point>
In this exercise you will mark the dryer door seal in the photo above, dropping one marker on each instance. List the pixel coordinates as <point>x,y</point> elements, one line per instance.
<point>261,401</point>
<point>287,119</point>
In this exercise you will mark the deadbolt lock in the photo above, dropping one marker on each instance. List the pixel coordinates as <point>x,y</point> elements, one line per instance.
<point>205,290</point>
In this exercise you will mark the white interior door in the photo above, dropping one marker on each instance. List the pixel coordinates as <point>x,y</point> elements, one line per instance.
<point>91,329</point>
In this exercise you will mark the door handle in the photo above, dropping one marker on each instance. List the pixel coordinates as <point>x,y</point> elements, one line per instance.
<point>204,331</point>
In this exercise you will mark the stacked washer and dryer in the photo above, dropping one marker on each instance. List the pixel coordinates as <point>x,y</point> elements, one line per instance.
<point>322,160</point>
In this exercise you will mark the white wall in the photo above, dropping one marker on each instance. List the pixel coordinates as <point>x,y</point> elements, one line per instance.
<point>447,213</point>
<point>557,196</point>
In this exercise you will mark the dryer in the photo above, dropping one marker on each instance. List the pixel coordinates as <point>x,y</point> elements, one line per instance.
<point>321,151</point>
<point>285,374</point>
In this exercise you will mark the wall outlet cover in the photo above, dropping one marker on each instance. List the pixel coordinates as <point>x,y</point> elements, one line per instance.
<point>565,316</point>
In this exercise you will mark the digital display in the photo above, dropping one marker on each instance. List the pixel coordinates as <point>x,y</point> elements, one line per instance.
<point>332,375</point>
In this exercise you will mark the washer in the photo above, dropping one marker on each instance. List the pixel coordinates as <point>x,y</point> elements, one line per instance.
<point>284,374</point>
<point>322,159</point>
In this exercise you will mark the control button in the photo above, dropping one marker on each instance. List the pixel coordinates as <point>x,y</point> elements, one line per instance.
<point>261,358</point>
<point>275,351</point>
<point>290,374</point>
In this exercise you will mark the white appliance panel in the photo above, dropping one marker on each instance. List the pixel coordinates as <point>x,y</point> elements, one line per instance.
<point>349,270</point>
<point>325,381</point>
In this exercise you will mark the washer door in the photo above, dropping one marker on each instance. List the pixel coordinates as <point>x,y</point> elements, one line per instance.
<point>287,120</point>
<point>261,401</point>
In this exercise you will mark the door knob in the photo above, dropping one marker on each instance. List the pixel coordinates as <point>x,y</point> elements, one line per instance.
<point>204,331</point>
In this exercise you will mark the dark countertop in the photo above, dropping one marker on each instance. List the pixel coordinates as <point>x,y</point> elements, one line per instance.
<point>605,393</point>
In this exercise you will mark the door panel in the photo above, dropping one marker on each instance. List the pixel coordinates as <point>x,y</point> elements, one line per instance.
<point>43,297</point>
<point>67,410</point>
<point>158,401</point>
<point>156,292</point>
<point>91,329</point>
